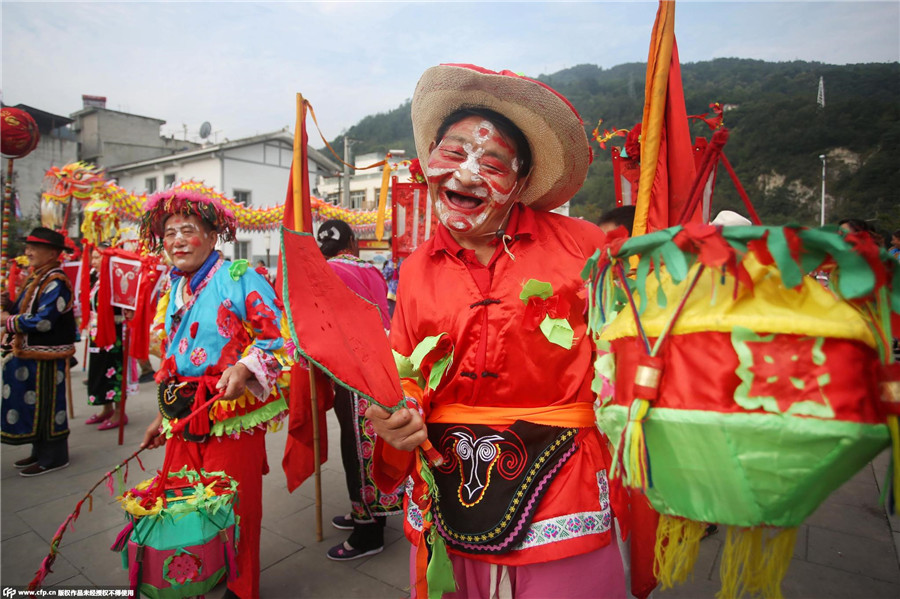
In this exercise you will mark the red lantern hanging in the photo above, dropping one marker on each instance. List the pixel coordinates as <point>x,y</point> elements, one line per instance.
<point>18,132</point>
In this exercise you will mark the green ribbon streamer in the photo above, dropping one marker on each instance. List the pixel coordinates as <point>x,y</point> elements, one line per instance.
<point>440,570</point>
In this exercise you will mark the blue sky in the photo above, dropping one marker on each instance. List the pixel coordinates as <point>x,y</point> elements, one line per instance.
<point>239,64</point>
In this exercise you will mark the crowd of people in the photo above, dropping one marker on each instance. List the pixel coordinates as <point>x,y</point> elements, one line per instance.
<point>500,151</point>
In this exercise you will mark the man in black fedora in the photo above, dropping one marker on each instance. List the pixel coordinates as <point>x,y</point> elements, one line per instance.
<point>39,339</point>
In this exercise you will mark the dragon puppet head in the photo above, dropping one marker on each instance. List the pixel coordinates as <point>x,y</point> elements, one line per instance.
<point>79,180</point>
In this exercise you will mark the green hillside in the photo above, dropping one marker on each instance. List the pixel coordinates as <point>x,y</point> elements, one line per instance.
<point>777,133</point>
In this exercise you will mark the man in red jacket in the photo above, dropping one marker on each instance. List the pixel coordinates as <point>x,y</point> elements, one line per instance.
<point>492,342</point>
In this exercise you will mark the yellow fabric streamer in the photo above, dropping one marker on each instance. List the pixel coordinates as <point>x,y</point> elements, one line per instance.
<point>677,546</point>
<point>658,63</point>
<point>755,560</point>
<point>382,200</point>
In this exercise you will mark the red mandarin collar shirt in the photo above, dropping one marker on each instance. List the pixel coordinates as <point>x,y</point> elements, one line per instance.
<point>499,362</point>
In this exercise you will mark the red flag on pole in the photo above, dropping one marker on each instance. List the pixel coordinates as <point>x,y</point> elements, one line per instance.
<point>337,332</point>
<point>667,161</point>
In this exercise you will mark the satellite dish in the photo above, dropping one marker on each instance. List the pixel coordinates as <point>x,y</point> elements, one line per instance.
<point>205,130</point>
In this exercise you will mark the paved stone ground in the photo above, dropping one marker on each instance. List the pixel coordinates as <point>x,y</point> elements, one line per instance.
<point>847,549</point>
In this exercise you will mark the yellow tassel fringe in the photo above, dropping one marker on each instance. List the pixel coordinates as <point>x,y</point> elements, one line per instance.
<point>636,446</point>
<point>894,427</point>
<point>677,545</point>
<point>755,560</point>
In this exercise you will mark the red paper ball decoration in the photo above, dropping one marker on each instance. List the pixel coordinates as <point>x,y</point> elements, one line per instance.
<point>19,133</point>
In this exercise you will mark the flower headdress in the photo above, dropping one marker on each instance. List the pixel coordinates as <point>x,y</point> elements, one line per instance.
<point>186,198</point>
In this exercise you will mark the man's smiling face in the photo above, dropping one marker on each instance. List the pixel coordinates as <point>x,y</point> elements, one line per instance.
<point>472,175</point>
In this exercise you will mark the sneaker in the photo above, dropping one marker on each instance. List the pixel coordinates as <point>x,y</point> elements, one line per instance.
<point>340,553</point>
<point>147,377</point>
<point>344,522</point>
<point>26,462</point>
<point>37,469</point>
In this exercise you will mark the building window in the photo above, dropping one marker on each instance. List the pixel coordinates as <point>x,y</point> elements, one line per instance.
<point>357,199</point>
<point>241,250</point>
<point>242,196</point>
<point>168,181</point>
<point>150,184</point>
<point>378,195</point>
<point>334,198</point>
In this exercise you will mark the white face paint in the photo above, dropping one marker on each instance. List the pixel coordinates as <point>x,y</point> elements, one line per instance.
<point>472,173</point>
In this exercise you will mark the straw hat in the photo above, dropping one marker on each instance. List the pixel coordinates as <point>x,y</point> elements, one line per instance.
<point>555,133</point>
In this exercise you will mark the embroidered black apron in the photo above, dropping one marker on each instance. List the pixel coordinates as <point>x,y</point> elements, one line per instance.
<point>492,481</point>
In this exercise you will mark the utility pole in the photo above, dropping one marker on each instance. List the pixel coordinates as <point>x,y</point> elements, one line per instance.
<point>345,192</point>
<point>822,219</point>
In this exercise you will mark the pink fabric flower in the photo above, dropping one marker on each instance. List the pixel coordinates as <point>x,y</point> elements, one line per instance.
<point>110,395</point>
<point>182,346</point>
<point>198,356</point>
<point>110,372</point>
<point>368,494</point>
<point>184,568</point>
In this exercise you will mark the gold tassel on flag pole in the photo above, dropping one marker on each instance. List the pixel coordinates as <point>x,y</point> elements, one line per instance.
<point>382,198</point>
<point>297,170</point>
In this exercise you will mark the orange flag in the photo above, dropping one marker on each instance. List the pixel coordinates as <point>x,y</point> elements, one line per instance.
<point>667,162</point>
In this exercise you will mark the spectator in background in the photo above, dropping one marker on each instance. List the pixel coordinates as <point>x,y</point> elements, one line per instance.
<point>261,269</point>
<point>894,249</point>
<point>39,340</point>
<point>855,225</point>
<point>105,364</point>
<point>369,506</point>
<point>730,218</point>
<point>622,216</point>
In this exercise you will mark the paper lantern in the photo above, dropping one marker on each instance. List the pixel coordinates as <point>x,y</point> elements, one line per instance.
<point>19,133</point>
<point>181,539</point>
<point>736,389</point>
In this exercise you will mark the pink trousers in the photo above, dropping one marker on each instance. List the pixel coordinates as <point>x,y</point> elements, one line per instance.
<point>595,575</point>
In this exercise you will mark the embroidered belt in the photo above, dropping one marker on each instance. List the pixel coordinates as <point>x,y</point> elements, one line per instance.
<point>491,481</point>
<point>572,415</point>
<point>178,398</point>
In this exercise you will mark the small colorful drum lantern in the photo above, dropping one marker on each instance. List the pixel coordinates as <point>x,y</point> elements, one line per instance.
<point>739,391</point>
<point>19,134</point>
<point>182,537</point>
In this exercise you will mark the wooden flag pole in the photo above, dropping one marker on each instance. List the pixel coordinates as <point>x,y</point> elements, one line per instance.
<point>317,458</point>
<point>121,406</point>
<point>300,224</point>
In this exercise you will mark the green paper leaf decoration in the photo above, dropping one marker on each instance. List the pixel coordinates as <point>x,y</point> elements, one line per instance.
<point>437,371</point>
<point>237,269</point>
<point>558,331</point>
<point>535,288</point>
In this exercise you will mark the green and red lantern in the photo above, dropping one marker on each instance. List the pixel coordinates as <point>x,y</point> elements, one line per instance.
<point>738,390</point>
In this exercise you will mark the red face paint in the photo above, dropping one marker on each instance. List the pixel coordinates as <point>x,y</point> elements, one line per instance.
<point>472,174</point>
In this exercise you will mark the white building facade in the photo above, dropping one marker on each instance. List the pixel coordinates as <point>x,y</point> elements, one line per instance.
<point>253,171</point>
